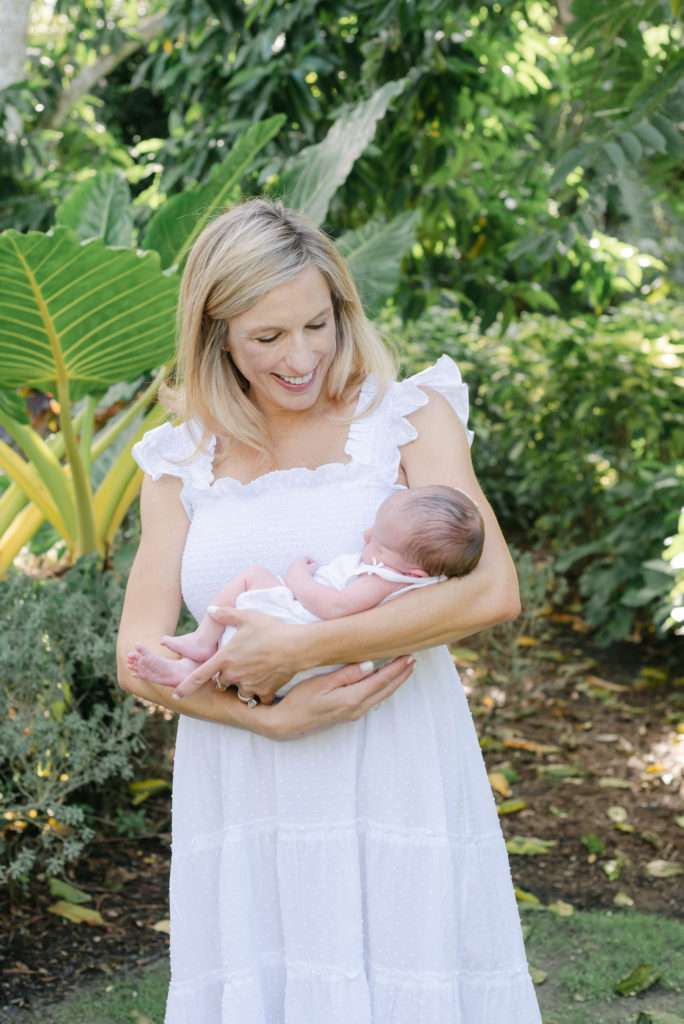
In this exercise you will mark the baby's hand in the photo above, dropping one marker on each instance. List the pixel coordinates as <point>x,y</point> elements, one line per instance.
<point>298,568</point>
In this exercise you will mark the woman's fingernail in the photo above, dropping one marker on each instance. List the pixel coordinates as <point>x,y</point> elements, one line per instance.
<point>411,662</point>
<point>366,666</point>
<point>212,609</point>
<point>176,696</point>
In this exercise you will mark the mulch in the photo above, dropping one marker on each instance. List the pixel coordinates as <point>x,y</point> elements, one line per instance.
<point>578,730</point>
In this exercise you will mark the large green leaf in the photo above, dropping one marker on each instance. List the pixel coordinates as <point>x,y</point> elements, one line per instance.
<point>314,175</point>
<point>374,253</point>
<point>175,227</point>
<point>84,312</point>
<point>99,208</point>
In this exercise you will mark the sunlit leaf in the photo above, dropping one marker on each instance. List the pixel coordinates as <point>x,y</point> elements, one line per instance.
<point>526,897</point>
<point>141,789</point>
<point>464,654</point>
<point>162,926</point>
<point>638,980</point>
<point>623,899</point>
<point>664,868</point>
<point>537,975</point>
<point>529,845</point>
<point>77,914</point>
<point>511,806</point>
<point>617,813</point>
<point>499,783</point>
<point>561,908</point>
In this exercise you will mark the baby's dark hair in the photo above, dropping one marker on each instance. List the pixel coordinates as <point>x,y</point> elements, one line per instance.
<point>449,531</point>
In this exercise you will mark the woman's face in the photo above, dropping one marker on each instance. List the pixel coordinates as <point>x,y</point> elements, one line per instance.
<point>285,343</point>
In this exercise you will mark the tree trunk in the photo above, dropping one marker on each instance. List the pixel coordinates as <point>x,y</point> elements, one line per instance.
<point>147,29</point>
<point>14,20</point>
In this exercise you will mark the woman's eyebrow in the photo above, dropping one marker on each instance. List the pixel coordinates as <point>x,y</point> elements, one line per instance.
<point>261,328</point>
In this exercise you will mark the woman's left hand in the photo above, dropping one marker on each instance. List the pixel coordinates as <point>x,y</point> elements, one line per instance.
<point>255,659</point>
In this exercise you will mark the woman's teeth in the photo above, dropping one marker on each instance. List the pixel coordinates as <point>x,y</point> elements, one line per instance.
<point>296,380</point>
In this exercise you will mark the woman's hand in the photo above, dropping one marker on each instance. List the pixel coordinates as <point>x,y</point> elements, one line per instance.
<point>324,700</point>
<point>256,658</point>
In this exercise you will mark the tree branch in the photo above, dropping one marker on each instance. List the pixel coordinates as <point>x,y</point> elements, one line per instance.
<point>147,29</point>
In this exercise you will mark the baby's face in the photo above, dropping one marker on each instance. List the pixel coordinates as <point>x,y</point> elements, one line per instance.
<point>386,539</point>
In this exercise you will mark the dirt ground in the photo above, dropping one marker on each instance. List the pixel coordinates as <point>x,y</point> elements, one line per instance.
<point>585,750</point>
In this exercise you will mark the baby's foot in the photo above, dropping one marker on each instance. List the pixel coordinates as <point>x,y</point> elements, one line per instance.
<point>189,646</point>
<point>145,664</point>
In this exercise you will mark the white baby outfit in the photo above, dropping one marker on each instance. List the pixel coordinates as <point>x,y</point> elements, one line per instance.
<point>358,875</point>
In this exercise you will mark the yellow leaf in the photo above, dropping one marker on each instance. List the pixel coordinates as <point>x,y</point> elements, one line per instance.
<point>561,908</point>
<point>516,743</point>
<point>464,654</point>
<point>141,789</point>
<point>499,783</point>
<point>654,769</point>
<point>511,806</point>
<point>525,897</point>
<point>529,845</point>
<point>605,684</point>
<point>537,975</point>
<point>76,913</point>
<point>527,641</point>
<point>162,926</point>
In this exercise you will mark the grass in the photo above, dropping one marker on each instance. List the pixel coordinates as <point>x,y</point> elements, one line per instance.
<point>583,956</point>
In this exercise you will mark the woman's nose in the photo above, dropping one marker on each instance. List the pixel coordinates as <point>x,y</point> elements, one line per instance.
<point>300,355</point>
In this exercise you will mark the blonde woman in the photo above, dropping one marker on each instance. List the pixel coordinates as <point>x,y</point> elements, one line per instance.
<point>329,866</point>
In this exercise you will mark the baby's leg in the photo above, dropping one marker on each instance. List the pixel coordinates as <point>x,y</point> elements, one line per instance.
<point>145,664</point>
<point>202,643</point>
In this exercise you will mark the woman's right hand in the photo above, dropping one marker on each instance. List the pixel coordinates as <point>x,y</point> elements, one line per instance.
<point>321,701</point>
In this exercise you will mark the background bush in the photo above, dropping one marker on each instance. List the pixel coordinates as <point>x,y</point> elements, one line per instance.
<point>579,429</point>
<point>68,737</point>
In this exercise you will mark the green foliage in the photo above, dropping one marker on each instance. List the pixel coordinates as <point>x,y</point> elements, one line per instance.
<point>67,735</point>
<point>579,441</point>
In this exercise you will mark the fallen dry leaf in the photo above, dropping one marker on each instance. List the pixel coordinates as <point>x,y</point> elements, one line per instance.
<point>76,913</point>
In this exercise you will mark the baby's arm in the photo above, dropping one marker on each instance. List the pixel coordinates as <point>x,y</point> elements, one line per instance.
<point>328,603</point>
<point>203,641</point>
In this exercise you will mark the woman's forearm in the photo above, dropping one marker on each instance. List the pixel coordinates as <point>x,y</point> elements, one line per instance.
<point>438,614</point>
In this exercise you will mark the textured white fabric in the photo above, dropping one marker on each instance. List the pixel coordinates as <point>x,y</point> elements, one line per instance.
<point>359,875</point>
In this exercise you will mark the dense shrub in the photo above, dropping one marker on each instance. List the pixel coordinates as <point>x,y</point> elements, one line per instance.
<point>68,736</point>
<point>579,442</point>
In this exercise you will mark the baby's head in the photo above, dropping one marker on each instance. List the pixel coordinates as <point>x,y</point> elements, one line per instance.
<point>427,531</point>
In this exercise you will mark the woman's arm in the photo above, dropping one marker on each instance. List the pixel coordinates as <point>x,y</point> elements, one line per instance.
<point>152,607</point>
<point>437,614</point>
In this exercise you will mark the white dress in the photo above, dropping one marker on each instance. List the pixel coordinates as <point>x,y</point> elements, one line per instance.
<point>358,875</point>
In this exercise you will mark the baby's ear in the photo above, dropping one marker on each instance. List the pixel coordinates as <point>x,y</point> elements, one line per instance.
<point>418,573</point>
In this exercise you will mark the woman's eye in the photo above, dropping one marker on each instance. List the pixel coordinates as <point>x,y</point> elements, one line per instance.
<point>317,327</point>
<point>266,340</point>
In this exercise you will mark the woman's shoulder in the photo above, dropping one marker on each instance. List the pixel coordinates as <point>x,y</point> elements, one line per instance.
<point>432,390</point>
<point>177,451</point>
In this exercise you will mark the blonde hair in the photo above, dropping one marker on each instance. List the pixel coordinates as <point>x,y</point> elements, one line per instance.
<point>245,252</point>
<point>446,531</point>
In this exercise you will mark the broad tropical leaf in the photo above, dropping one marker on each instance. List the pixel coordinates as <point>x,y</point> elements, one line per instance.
<point>312,178</point>
<point>374,253</point>
<point>99,208</point>
<point>83,312</point>
<point>175,227</point>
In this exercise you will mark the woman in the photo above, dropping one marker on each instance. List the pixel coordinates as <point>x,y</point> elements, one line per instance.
<point>355,874</point>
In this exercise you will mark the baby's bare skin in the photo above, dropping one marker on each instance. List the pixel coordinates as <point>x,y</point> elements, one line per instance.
<point>145,664</point>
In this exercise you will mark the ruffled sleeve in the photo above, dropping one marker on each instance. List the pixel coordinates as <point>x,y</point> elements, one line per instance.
<point>444,377</point>
<point>376,438</point>
<point>172,451</point>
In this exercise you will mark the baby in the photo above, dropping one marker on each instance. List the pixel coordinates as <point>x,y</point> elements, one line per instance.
<point>420,536</point>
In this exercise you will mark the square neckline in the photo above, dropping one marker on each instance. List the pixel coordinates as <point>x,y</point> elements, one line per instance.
<point>211,454</point>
